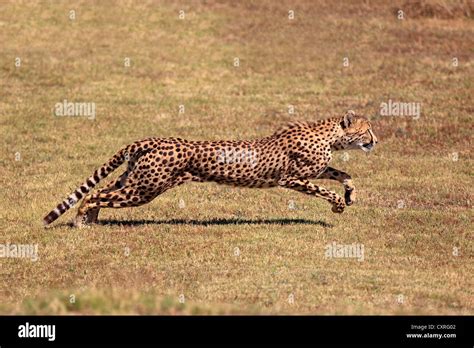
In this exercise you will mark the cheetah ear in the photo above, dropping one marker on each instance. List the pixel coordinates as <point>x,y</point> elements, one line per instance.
<point>348,119</point>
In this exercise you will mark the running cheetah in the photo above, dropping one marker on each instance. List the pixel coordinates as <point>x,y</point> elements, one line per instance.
<point>289,158</point>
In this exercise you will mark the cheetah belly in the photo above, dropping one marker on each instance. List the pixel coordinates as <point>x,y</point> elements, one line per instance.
<point>232,163</point>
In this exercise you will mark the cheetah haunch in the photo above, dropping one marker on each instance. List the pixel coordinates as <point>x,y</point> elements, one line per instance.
<point>289,158</point>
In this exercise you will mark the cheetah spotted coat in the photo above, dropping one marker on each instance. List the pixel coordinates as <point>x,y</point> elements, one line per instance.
<point>289,158</point>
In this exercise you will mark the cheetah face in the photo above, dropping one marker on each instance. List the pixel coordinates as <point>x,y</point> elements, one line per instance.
<point>358,133</point>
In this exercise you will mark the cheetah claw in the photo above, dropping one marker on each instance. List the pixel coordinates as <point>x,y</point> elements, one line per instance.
<point>338,208</point>
<point>349,196</point>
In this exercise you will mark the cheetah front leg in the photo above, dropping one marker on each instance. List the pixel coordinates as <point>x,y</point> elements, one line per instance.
<point>345,179</point>
<point>309,188</point>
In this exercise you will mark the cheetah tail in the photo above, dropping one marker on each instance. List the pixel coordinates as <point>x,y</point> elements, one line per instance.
<point>86,186</point>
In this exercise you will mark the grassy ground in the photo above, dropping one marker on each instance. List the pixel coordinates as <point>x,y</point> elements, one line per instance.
<point>203,248</point>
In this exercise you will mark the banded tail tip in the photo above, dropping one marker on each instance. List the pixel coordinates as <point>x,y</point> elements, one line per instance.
<point>50,218</point>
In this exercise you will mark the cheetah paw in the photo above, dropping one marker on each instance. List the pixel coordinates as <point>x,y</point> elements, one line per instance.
<point>350,196</point>
<point>338,207</point>
<point>79,221</point>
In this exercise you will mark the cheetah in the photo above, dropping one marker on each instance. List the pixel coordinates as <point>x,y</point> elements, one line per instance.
<point>289,158</point>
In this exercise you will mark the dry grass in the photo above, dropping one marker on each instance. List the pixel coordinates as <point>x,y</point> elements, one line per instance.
<point>191,251</point>
<point>442,9</point>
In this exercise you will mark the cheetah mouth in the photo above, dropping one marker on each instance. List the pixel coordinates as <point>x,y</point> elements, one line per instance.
<point>367,147</point>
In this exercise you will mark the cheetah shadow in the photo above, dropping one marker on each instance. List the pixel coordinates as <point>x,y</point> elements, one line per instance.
<point>216,222</point>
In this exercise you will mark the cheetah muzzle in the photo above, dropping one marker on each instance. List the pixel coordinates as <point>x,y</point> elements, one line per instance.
<point>289,158</point>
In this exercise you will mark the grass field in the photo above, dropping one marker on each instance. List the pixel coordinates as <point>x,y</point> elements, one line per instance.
<point>204,248</point>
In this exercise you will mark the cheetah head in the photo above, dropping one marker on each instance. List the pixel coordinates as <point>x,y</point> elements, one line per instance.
<point>356,133</point>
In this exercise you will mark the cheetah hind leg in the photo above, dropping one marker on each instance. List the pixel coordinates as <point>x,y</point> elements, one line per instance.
<point>121,198</point>
<point>83,220</point>
<point>92,215</point>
